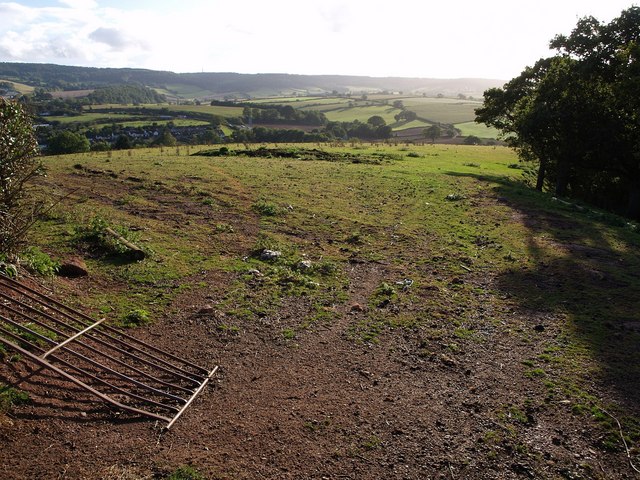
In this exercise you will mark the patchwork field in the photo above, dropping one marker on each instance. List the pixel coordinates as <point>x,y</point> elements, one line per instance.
<point>428,316</point>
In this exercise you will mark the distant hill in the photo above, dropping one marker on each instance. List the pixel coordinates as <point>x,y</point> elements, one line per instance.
<point>221,85</point>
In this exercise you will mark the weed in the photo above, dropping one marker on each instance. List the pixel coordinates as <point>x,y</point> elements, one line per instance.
<point>135,318</point>
<point>454,197</point>
<point>372,443</point>
<point>289,334</point>
<point>535,373</point>
<point>10,397</point>
<point>266,209</point>
<point>185,472</point>
<point>224,228</point>
<point>95,234</point>
<point>37,261</point>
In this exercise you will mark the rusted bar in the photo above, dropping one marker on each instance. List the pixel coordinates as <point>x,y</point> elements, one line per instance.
<point>15,283</point>
<point>108,345</point>
<point>122,342</point>
<point>71,339</point>
<point>27,308</point>
<point>84,372</point>
<point>193,397</point>
<point>108,369</point>
<point>81,384</point>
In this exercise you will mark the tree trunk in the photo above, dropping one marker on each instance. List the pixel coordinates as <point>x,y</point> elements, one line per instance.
<point>563,179</point>
<point>633,205</point>
<point>542,170</point>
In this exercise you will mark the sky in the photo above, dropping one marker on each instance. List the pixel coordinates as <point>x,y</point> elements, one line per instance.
<point>405,38</point>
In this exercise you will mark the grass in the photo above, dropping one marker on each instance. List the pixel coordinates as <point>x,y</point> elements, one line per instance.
<point>455,220</point>
<point>442,110</point>
<point>10,397</point>
<point>478,129</point>
<point>359,112</point>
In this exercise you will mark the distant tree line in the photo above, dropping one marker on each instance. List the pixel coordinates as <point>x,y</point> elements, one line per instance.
<point>125,94</point>
<point>284,114</point>
<point>577,114</point>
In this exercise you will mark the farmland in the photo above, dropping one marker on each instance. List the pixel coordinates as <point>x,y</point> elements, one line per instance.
<point>429,316</point>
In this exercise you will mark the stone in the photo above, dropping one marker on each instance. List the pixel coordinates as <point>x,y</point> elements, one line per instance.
<point>73,268</point>
<point>270,254</point>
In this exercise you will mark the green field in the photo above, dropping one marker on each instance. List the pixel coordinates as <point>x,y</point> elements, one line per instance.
<point>20,87</point>
<point>443,110</point>
<point>92,117</point>
<point>478,129</point>
<point>361,113</point>
<point>178,122</point>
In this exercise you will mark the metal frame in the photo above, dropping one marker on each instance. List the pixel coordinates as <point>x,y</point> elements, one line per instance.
<point>112,365</point>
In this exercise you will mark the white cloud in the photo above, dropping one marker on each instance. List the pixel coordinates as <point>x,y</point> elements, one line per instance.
<point>495,38</point>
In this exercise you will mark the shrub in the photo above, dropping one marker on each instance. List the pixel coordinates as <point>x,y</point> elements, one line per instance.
<point>135,318</point>
<point>39,262</point>
<point>18,165</point>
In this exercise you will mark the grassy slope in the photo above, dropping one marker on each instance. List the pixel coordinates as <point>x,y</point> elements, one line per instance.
<point>477,129</point>
<point>475,262</point>
<point>444,110</point>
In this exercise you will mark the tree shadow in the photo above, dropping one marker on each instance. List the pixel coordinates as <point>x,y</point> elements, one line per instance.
<point>584,267</point>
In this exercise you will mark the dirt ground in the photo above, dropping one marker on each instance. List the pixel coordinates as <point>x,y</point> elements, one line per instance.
<point>323,407</point>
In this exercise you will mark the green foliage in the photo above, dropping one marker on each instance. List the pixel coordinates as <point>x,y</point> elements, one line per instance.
<point>166,139</point>
<point>125,94</point>
<point>94,234</point>
<point>576,113</point>
<point>472,140</point>
<point>39,262</point>
<point>433,132</point>
<point>18,165</point>
<point>66,142</point>
<point>135,318</point>
<point>10,397</point>
<point>186,472</point>
<point>267,209</point>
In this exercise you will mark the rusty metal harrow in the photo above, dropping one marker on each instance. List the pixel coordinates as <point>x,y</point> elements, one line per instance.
<point>116,367</point>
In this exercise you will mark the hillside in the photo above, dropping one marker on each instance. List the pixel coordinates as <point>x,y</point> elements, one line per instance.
<point>428,316</point>
<point>219,85</point>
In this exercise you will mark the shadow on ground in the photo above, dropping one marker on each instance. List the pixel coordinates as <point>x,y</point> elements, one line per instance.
<point>584,266</point>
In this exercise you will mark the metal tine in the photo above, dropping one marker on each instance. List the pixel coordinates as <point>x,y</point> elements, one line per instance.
<point>80,383</point>
<point>106,327</point>
<point>116,360</point>
<point>86,317</point>
<point>108,345</point>
<point>95,363</point>
<point>116,388</point>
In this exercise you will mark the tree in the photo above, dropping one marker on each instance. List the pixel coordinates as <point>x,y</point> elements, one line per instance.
<point>18,165</point>
<point>432,132</point>
<point>67,142</point>
<point>398,104</point>
<point>577,114</point>
<point>377,121</point>
<point>123,142</point>
<point>166,139</point>
<point>472,140</point>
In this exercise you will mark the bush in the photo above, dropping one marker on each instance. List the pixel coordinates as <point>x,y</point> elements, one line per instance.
<point>135,318</point>
<point>18,165</point>
<point>39,262</point>
<point>67,142</point>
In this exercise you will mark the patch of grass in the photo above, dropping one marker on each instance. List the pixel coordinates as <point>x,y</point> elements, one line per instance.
<point>135,318</point>
<point>10,397</point>
<point>288,334</point>
<point>185,472</point>
<point>266,208</point>
<point>37,261</point>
